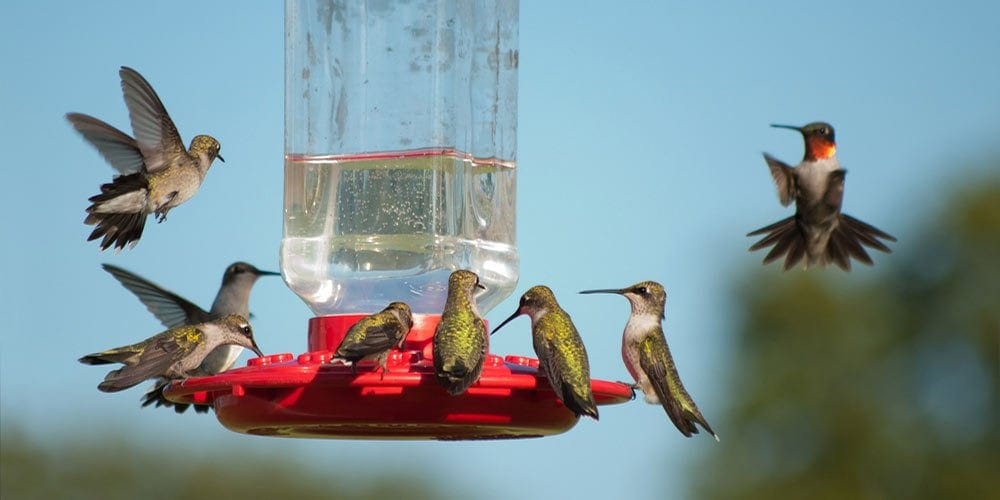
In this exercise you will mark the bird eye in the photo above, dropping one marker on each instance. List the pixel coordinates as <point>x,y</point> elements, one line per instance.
<point>247,331</point>
<point>643,290</point>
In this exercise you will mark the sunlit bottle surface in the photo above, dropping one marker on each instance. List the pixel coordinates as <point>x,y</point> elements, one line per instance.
<point>362,231</point>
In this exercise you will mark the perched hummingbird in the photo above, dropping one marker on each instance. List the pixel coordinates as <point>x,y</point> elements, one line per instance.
<point>817,231</point>
<point>647,357</point>
<point>172,354</point>
<point>156,172</point>
<point>375,335</point>
<point>460,340</point>
<point>173,311</point>
<point>561,354</point>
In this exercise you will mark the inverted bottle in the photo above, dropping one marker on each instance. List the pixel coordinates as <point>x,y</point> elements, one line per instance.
<point>400,144</point>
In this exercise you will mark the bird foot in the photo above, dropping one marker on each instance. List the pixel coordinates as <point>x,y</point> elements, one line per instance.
<point>631,387</point>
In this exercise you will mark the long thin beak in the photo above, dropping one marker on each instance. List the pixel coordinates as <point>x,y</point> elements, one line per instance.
<point>255,349</point>
<point>480,286</point>
<point>605,290</point>
<point>512,316</point>
<point>223,160</point>
<point>790,127</point>
<point>267,273</point>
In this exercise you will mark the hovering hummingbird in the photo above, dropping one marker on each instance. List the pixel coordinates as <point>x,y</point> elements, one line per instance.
<point>156,172</point>
<point>173,311</point>
<point>818,231</point>
<point>460,340</point>
<point>561,354</point>
<point>375,335</point>
<point>648,359</point>
<point>172,354</point>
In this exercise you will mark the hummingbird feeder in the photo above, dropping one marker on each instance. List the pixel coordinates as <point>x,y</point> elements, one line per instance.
<point>400,163</point>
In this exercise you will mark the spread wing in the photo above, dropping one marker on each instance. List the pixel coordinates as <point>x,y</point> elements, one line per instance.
<point>117,148</point>
<point>155,132</point>
<point>784,179</point>
<point>171,309</point>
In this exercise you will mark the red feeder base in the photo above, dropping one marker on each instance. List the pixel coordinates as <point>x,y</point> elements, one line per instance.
<point>307,396</point>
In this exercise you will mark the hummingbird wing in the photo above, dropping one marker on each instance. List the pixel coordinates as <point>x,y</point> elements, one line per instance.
<point>371,335</point>
<point>157,356</point>
<point>834,195</point>
<point>155,133</point>
<point>563,359</point>
<point>784,179</point>
<point>118,148</point>
<point>171,309</point>
<point>126,355</point>
<point>459,347</point>
<point>658,365</point>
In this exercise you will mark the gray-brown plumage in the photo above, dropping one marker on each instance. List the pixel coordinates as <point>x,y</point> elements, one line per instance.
<point>375,335</point>
<point>156,172</point>
<point>460,340</point>
<point>647,357</point>
<point>562,356</point>
<point>818,234</point>
<point>173,354</point>
<point>173,310</point>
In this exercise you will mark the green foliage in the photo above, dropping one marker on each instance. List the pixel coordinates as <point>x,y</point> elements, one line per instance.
<point>117,468</point>
<point>883,388</point>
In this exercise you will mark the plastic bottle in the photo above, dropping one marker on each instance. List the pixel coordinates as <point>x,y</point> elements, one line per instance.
<point>400,151</point>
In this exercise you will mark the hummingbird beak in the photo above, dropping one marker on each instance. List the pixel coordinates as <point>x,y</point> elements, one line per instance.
<point>606,290</point>
<point>255,349</point>
<point>790,127</point>
<point>223,160</point>
<point>267,273</point>
<point>512,316</point>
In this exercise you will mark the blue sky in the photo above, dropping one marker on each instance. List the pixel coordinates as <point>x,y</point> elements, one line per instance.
<point>640,133</point>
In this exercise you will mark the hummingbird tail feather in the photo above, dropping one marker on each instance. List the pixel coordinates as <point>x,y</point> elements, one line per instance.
<point>154,396</point>
<point>847,241</point>
<point>696,417</point>
<point>849,238</point>
<point>866,233</point>
<point>119,211</point>
<point>580,404</point>
<point>455,377</point>
<point>787,239</point>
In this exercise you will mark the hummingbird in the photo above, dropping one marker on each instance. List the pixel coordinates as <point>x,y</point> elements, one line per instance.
<point>460,340</point>
<point>561,354</point>
<point>173,311</point>
<point>156,172</point>
<point>375,335</point>
<point>173,354</point>
<point>648,359</point>
<point>818,231</point>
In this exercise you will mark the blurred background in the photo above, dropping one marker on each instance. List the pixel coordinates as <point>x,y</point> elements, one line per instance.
<point>641,128</point>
